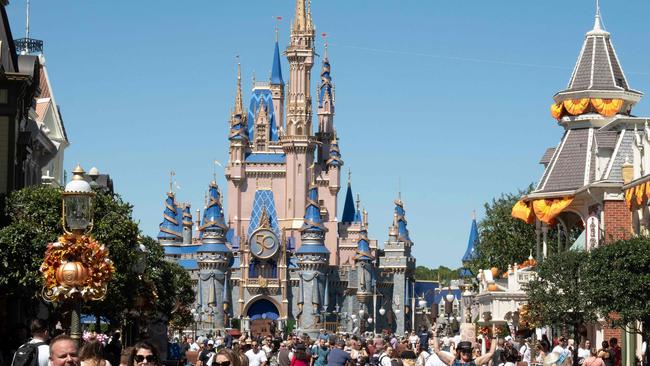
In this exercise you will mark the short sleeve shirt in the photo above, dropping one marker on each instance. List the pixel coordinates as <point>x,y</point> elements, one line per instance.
<point>255,359</point>
<point>338,357</point>
<point>322,355</point>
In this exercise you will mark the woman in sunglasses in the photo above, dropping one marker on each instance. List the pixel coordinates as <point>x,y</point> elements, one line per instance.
<point>144,354</point>
<point>226,357</point>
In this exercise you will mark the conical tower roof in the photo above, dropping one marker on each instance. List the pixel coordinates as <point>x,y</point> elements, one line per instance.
<point>171,226</point>
<point>598,72</point>
<point>213,226</point>
<point>312,230</point>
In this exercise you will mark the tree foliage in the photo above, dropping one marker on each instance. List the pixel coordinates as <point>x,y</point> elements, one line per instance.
<point>558,295</point>
<point>618,278</point>
<point>503,239</point>
<point>434,274</point>
<point>35,219</point>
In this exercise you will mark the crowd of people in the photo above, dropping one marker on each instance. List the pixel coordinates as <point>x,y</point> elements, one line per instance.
<point>425,348</point>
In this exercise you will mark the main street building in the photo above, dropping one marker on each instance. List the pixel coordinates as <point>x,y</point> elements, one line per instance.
<point>281,256</point>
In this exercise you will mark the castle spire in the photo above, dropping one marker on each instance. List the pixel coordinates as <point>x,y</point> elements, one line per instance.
<point>238,127</point>
<point>213,226</point>
<point>402,231</point>
<point>276,71</point>
<point>472,242</point>
<point>239,100</point>
<point>598,25</point>
<point>312,230</point>
<point>348,206</point>
<point>300,20</point>
<point>171,227</point>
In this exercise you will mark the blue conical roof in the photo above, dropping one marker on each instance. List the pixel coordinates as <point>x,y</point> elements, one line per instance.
<point>402,231</point>
<point>170,227</point>
<point>348,207</point>
<point>312,230</point>
<point>363,246</point>
<point>472,242</point>
<point>276,71</point>
<point>213,226</point>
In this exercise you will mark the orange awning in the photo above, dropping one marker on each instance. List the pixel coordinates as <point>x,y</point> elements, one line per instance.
<point>576,106</point>
<point>546,210</point>
<point>607,107</point>
<point>522,210</point>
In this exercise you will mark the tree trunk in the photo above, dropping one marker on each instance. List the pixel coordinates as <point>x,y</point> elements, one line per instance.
<point>576,344</point>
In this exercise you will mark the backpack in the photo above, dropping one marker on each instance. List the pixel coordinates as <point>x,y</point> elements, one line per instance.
<point>27,354</point>
<point>374,361</point>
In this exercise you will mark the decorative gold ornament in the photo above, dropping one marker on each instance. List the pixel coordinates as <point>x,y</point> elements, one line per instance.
<point>76,265</point>
<point>72,274</point>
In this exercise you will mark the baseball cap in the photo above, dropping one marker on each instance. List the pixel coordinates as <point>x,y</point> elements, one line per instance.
<point>211,342</point>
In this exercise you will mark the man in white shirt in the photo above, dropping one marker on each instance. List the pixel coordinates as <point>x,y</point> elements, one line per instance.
<point>40,336</point>
<point>255,356</point>
<point>524,351</point>
<point>562,348</point>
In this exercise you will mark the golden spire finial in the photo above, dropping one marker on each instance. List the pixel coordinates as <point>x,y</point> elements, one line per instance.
<point>300,18</point>
<point>239,103</point>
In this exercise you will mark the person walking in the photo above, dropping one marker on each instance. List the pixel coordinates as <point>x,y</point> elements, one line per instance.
<point>300,356</point>
<point>606,354</point>
<point>256,357</point>
<point>36,348</point>
<point>338,357</point>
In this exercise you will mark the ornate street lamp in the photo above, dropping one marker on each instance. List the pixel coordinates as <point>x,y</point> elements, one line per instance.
<point>77,204</point>
<point>76,268</point>
<point>382,311</point>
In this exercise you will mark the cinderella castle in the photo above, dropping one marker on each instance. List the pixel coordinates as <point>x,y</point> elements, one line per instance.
<point>280,257</point>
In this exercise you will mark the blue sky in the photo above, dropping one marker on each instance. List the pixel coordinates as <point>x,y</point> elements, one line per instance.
<point>449,97</point>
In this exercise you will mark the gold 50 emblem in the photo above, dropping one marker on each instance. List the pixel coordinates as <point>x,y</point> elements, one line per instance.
<point>264,243</point>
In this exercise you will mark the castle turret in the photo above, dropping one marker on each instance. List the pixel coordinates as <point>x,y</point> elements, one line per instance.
<point>365,271</point>
<point>214,259</point>
<point>238,137</point>
<point>170,228</point>
<point>313,258</point>
<point>298,142</point>
<point>398,261</point>
<point>325,112</point>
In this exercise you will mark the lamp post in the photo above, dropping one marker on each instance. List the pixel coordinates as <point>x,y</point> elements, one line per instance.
<point>77,221</point>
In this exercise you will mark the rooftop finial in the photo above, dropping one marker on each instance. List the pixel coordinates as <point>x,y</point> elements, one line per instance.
<point>27,28</point>
<point>399,188</point>
<point>598,23</point>
<point>349,176</point>
<point>172,174</point>
<point>325,38</point>
<point>473,214</point>
<point>358,202</point>
<point>239,102</point>
<point>277,26</point>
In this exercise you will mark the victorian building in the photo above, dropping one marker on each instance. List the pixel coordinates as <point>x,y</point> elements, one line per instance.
<point>580,196</point>
<point>280,254</point>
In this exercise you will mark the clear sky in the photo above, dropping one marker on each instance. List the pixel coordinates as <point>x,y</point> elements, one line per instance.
<point>449,97</point>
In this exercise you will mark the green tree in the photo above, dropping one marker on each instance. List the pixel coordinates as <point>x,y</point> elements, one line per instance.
<point>504,240</point>
<point>618,278</point>
<point>34,215</point>
<point>558,295</point>
<point>441,273</point>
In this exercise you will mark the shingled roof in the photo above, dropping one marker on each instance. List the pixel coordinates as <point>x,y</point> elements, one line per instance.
<point>597,67</point>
